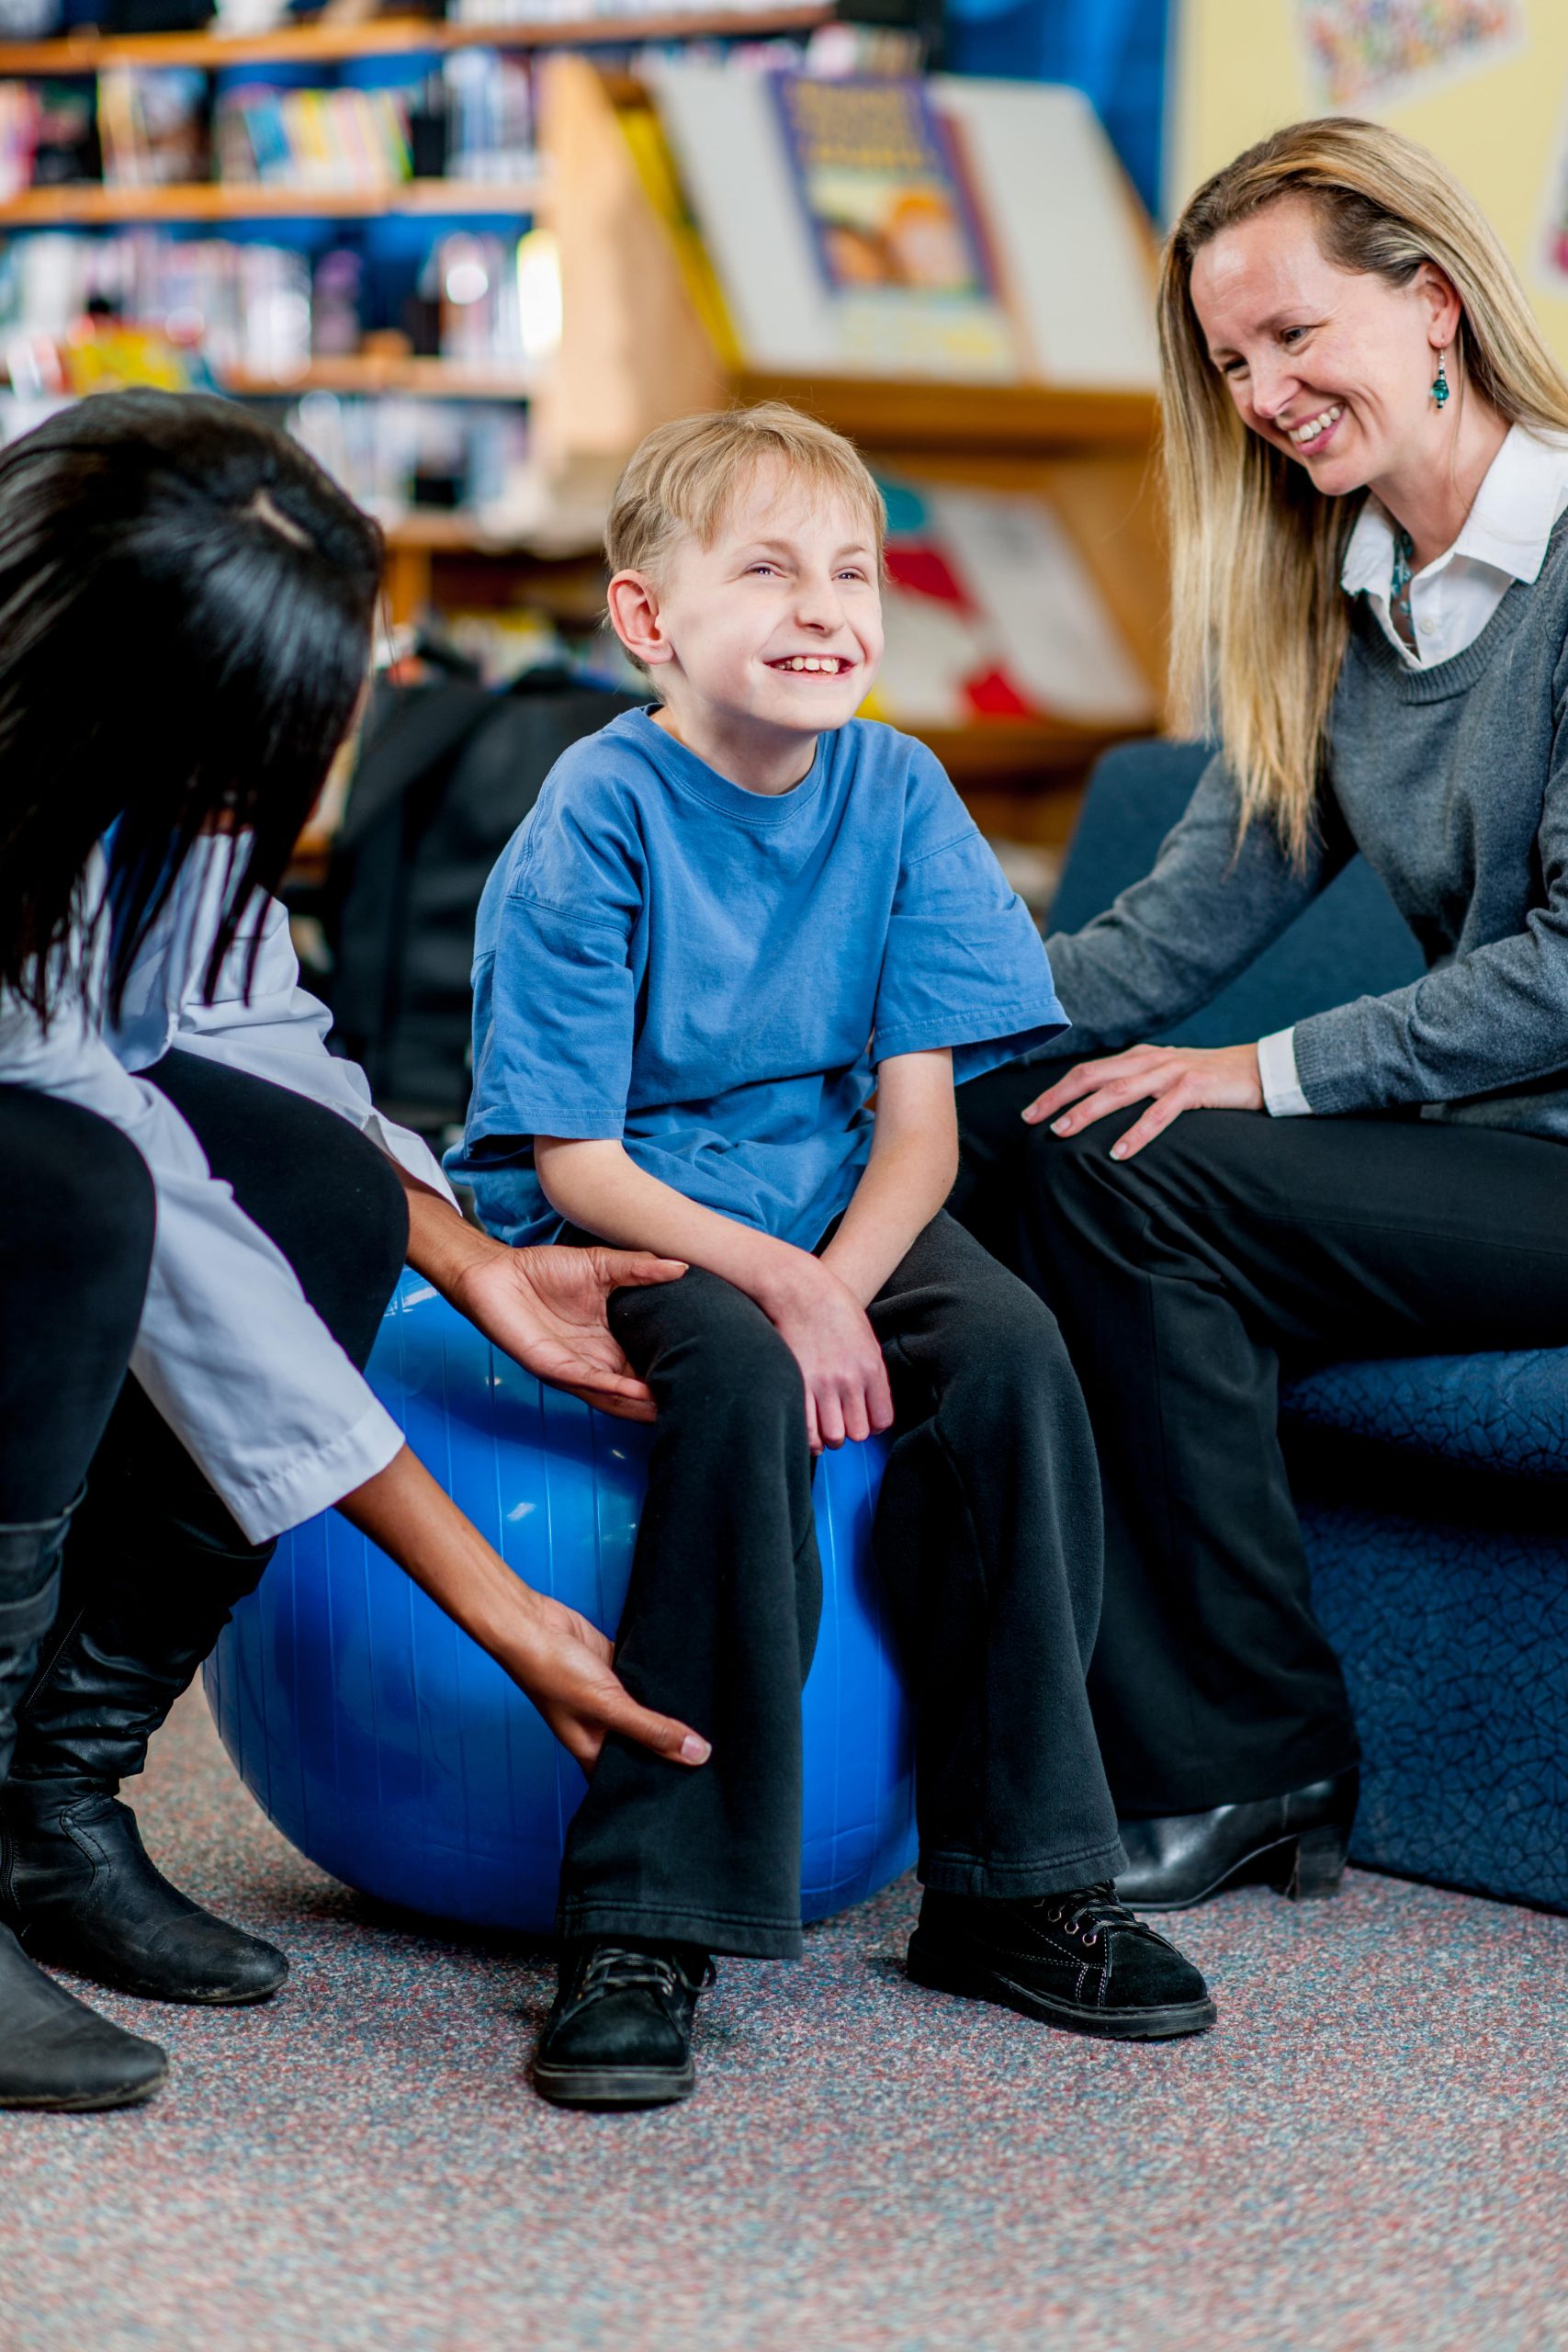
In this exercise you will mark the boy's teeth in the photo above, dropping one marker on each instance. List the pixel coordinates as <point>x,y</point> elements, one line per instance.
<point>811,662</point>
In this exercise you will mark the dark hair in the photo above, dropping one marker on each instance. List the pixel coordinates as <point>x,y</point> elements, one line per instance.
<point>186,607</point>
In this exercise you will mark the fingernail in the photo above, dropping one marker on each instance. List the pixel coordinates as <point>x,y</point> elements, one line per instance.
<point>694,1750</point>
<point>1062,1127</point>
<point>1118,1151</point>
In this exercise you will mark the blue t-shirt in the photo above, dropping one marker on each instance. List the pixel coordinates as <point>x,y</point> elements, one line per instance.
<point>710,975</point>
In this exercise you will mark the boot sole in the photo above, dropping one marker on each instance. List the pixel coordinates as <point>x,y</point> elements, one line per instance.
<point>44,1954</point>
<point>612,2087</point>
<point>84,2102</point>
<point>943,1972</point>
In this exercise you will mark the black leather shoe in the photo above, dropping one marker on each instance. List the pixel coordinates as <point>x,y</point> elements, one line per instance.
<point>56,2053</point>
<point>1079,1960</point>
<point>620,2032</point>
<point>78,1889</point>
<point>1296,1844</point>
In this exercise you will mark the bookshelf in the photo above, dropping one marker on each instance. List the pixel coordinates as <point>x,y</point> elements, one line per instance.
<point>637,347</point>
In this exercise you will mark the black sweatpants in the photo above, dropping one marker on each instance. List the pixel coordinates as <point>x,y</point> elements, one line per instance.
<point>988,1542</point>
<point>1181,1277</point>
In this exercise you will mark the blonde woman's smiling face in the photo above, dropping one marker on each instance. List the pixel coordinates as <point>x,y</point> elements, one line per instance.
<point>1332,367</point>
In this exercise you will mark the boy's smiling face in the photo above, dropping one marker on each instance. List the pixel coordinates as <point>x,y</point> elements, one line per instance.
<point>767,637</point>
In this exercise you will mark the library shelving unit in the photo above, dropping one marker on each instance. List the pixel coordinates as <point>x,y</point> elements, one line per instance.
<point>635,348</point>
<point>419,541</point>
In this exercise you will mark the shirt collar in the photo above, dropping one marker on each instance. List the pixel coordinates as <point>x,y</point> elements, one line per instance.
<point>1522,493</point>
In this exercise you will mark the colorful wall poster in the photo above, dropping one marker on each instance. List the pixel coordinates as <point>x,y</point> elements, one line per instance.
<point>1365,55</point>
<point>897,236</point>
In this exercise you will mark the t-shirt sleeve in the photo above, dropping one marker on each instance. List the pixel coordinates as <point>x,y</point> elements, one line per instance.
<point>964,965</point>
<point>555,978</point>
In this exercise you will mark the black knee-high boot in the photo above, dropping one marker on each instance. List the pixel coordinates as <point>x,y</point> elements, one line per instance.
<point>54,2051</point>
<point>141,1607</point>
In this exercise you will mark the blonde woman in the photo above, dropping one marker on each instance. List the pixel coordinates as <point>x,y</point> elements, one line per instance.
<point>1367,465</point>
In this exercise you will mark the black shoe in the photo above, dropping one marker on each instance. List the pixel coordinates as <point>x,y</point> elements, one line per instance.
<point>78,1889</point>
<point>56,2053</point>
<point>1296,1844</point>
<point>620,2032</point>
<point>1080,1961</point>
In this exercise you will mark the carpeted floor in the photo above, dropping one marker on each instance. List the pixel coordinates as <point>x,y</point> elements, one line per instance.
<point>1372,2150</point>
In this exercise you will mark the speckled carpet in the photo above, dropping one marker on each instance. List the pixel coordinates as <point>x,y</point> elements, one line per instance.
<point>1372,2150</point>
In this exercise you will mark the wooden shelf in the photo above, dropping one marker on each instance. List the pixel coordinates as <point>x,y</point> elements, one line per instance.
<point>986,419</point>
<point>394,36</point>
<point>1012,751</point>
<point>92,206</point>
<point>448,379</point>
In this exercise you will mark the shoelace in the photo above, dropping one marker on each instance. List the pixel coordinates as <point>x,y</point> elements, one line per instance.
<point>1090,1912</point>
<point>612,1967</point>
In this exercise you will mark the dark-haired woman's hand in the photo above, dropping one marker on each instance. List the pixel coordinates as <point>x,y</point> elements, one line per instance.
<point>1170,1079</point>
<point>564,1664</point>
<point>546,1308</point>
<point>567,1666</point>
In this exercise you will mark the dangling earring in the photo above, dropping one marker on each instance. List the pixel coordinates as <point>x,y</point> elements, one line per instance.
<point>1440,383</point>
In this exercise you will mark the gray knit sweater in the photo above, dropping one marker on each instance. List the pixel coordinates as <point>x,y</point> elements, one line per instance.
<point>1453,781</point>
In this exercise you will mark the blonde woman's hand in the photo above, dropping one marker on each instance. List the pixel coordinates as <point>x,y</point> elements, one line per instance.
<point>1170,1079</point>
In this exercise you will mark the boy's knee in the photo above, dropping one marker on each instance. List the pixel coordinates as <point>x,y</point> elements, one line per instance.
<point>717,1355</point>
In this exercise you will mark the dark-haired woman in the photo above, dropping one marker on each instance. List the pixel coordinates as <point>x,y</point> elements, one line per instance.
<point>201,1217</point>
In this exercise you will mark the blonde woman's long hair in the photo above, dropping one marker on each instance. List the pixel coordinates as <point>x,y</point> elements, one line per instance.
<point>1259,621</point>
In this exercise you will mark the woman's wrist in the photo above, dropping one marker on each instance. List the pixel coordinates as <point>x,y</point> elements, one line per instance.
<point>443,1246</point>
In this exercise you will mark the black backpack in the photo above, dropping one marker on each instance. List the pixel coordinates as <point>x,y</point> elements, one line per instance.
<point>447,774</point>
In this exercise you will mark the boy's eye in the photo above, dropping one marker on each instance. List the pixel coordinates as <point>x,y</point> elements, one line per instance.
<point>761,567</point>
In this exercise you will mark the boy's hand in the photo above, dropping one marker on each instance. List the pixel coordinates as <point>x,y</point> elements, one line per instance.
<point>824,1326</point>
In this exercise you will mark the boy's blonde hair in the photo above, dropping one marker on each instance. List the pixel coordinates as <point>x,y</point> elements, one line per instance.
<point>683,476</point>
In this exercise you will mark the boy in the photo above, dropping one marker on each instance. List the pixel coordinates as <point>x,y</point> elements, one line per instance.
<point>725,974</point>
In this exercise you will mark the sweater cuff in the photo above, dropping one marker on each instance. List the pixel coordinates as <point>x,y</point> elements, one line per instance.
<point>1280,1079</point>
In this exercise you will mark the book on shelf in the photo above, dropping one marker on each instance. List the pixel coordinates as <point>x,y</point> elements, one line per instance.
<point>992,614</point>
<point>313,139</point>
<point>969,230</point>
<point>154,126</point>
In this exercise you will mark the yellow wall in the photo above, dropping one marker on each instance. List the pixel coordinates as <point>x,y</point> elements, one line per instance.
<point>1240,74</point>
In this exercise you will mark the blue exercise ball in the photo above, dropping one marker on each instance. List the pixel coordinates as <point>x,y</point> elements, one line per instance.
<point>394,1753</point>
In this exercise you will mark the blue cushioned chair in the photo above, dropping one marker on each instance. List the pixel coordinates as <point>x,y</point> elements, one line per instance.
<point>1433,1492</point>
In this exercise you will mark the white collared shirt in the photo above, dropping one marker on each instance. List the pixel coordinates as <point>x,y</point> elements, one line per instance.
<point>228,1349</point>
<point>1523,492</point>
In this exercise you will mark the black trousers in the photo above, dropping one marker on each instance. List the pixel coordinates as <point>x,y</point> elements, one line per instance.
<point>987,1541</point>
<point>1183,1278</point>
<point>77,1225</point>
<point>330,1202</point>
<point>76,1221</point>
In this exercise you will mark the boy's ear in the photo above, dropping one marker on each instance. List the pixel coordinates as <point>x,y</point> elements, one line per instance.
<point>634,615</point>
